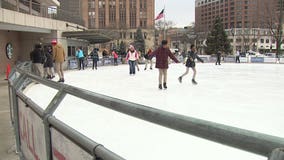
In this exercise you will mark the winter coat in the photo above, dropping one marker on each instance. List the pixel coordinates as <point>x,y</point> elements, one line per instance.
<point>190,62</point>
<point>58,53</point>
<point>95,55</point>
<point>37,56</point>
<point>132,56</point>
<point>115,56</point>
<point>162,55</point>
<point>49,61</point>
<point>79,54</point>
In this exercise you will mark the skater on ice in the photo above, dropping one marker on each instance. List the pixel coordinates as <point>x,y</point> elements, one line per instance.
<point>162,54</point>
<point>132,56</point>
<point>190,63</point>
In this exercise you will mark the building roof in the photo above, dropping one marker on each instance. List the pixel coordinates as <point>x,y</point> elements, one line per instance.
<point>93,36</point>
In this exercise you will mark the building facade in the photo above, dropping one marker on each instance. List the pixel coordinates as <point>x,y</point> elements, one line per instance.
<point>124,17</point>
<point>24,23</point>
<point>247,22</point>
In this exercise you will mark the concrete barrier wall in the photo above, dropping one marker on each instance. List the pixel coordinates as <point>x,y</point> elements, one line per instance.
<point>64,149</point>
<point>31,134</point>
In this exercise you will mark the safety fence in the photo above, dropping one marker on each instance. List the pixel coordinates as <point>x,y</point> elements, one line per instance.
<point>249,59</point>
<point>40,135</point>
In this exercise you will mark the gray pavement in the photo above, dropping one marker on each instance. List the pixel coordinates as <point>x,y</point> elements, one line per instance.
<point>7,139</point>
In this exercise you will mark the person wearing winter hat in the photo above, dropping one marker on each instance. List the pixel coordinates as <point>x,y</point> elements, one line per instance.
<point>58,58</point>
<point>131,57</point>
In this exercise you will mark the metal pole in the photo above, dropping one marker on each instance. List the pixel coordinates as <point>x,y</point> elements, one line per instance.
<point>277,154</point>
<point>280,29</point>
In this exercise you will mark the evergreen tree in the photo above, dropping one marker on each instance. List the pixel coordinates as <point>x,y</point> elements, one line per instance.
<point>122,48</point>
<point>139,41</point>
<point>217,39</point>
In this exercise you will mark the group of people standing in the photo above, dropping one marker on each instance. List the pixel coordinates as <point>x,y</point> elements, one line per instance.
<point>43,60</point>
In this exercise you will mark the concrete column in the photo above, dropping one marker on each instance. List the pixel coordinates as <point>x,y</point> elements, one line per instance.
<point>107,13</point>
<point>18,5</point>
<point>31,5</point>
<point>127,14</point>
<point>97,14</point>
<point>277,154</point>
<point>117,14</point>
<point>137,13</point>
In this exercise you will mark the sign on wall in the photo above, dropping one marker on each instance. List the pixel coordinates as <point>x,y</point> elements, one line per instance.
<point>9,50</point>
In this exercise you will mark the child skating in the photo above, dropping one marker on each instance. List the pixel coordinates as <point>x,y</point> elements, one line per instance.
<point>190,63</point>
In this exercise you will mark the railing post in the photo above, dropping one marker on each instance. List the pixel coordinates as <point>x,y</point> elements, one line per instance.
<point>47,113</point>
<point>47,137</point>
<point>277,154</point>
<point>17,84</point>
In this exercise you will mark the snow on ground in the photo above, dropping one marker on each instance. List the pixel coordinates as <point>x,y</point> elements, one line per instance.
<point>248,96</point>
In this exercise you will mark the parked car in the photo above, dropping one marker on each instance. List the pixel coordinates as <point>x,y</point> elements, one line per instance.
<point>271,55</point>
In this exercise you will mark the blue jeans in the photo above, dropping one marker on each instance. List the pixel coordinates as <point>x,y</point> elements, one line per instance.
<point>132,66</point>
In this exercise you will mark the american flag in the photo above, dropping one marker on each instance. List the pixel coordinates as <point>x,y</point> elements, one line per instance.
<point>160,15</point>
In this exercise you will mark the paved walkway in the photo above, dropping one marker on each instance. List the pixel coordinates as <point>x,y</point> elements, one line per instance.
<point>7,139</point>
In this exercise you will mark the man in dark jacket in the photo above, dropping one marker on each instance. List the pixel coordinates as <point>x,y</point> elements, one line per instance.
<point>162,54</point>
<point>190,63</point>
<point>37,59</point>
<point>218,62</point>
<point>95,57</point>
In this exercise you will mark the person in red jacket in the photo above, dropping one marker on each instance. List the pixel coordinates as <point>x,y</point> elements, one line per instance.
<point>115,57</point>
<point>162,54</point>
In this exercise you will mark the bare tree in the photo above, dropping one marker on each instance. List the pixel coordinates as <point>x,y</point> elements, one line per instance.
<point>274,21</point>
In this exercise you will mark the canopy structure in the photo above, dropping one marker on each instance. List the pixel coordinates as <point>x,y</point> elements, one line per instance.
<point>93,36</point>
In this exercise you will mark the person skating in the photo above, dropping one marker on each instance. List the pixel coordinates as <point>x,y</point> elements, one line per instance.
<point>59,58</point>
<point>190,63</point>
<point>148,60</point>
<point>162,54</point>
<point>48,65</point>
<point>115,57</point>
<point>95,57</point>
<point>81,57</point>
<point>238,57</point>
<point>132,57</point>
<point>218,62</point>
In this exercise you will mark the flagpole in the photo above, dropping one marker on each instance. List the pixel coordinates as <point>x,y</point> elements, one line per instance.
<point>164,35</point>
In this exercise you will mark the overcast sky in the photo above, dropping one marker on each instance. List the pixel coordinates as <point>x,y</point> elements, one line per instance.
<point>181,12</point>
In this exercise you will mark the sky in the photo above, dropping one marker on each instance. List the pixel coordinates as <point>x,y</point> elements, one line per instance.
<point>181,12</point>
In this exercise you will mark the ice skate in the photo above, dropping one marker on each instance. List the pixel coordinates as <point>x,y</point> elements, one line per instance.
<point>160,86</point>
<point>180,79</point>
<point>194,82</point>
<point>165,85</point>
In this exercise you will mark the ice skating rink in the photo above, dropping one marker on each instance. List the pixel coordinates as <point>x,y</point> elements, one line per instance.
<point>247,96</point>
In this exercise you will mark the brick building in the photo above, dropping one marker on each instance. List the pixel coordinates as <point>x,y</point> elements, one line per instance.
<point>123,16</point>
<point>248,19</point>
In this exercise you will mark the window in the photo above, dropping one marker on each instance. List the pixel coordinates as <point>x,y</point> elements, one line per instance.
<point>261,40</point>
<point>267,41</point>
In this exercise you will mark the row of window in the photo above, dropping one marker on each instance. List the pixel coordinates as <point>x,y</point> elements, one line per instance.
<point>132,35</point>
<point>122,4</point>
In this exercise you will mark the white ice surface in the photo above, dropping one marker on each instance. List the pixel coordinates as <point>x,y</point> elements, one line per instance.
<point>248,96</point>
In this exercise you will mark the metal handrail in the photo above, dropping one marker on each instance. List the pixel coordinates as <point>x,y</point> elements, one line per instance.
<point>250,141</point>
